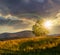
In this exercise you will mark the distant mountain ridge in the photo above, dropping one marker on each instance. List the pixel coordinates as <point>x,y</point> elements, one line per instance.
<point>23,34</point>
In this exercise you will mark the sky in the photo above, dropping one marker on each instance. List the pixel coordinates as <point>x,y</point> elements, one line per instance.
<point>20,15</point>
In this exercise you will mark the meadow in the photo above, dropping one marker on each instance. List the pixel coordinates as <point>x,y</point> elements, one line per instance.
<point>31,46</point>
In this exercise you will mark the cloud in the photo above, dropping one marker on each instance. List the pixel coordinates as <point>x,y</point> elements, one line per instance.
<point>11,10</point>
<point>26,1</point>
<point>41,1</point>
<point>55,30</point>
<point>14,24</point>
<point>17,7</point>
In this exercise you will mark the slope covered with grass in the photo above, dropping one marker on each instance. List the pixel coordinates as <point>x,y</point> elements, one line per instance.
<point>31,46</point>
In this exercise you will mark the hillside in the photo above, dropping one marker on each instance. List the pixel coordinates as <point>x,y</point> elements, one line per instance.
<point>31,46</point>
<point>22,34</point>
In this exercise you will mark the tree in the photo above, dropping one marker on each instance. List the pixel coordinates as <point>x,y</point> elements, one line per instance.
<point>39,29</point>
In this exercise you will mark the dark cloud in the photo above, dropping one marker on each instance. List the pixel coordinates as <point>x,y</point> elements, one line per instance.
<point>16,24</point>
<point>28,8</point>
<point>13,24</point>
<point>17,7</point>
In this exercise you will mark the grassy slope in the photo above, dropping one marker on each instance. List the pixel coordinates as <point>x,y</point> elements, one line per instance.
<point>31,46</point>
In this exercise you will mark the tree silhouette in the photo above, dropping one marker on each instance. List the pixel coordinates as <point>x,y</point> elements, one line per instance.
<point>39,29</point>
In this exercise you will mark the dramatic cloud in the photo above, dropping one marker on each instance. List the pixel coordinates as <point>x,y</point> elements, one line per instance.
<point>19,23</point>
<point>17,7</point>
<point>14,24</point>
<point>41,1</point>
<point>18,15</point>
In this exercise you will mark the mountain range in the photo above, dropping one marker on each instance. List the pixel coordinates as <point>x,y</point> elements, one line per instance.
<point>23,34</point>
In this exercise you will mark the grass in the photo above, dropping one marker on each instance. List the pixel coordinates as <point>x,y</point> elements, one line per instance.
<point>31,46</point>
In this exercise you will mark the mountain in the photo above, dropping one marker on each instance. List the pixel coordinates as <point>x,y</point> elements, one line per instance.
<point>54,35</point>
<point>23,34</point>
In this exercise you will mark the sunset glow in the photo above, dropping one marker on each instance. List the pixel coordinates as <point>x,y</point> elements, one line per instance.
<point>48,24</point>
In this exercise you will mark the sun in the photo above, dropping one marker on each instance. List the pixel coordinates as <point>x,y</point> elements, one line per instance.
<point>48,24</point>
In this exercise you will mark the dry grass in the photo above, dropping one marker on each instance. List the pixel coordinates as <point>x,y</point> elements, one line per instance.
<point>28,44</point>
